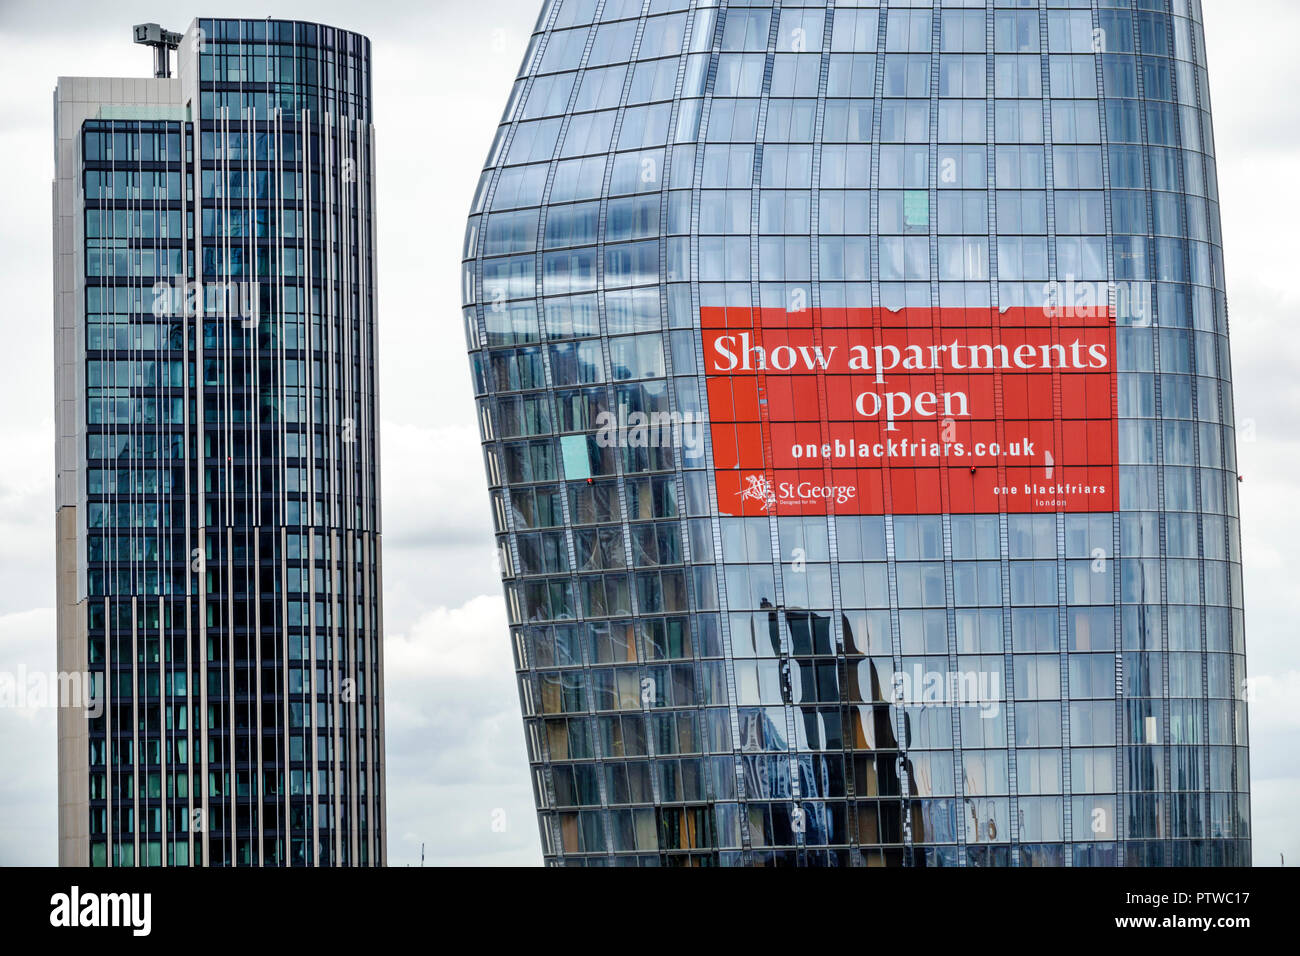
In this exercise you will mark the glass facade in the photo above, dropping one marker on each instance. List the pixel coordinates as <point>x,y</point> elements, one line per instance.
<point>704,683</point>
<point>222,411</point>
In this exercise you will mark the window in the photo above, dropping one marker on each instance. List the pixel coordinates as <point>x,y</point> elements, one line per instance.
<point>1015,31</point>
<point>961,31</point>
<point>854,30</point>
<point>908,31</point>
<point>746,29</point>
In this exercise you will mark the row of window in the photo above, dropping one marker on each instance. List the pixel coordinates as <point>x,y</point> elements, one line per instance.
<point>854,75</point>
<point>868,632</point>
<point>984,773</point>
<point>729,212</point>
<point>906,30</point>
<point>849,166</point>
<point>814,823</point>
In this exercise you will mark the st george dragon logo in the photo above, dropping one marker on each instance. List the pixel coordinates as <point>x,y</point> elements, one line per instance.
<point>758,488</point>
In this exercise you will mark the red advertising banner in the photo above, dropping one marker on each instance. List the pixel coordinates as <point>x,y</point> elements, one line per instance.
<point>919,411</point>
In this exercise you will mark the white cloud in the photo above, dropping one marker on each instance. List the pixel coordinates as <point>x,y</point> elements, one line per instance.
<point>1273,699</point>
<point>438,546</point>
<point>28,789</point>
<point>455,740</point>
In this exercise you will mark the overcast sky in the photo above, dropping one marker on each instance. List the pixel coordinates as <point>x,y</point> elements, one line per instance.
<point>442,71</point>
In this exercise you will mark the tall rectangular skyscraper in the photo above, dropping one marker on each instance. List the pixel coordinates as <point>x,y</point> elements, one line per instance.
<point>218,518</point>
<point>856,407</point>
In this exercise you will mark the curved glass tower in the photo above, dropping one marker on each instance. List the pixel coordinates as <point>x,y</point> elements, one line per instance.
<point>218,482</point>
<point>854,387</point>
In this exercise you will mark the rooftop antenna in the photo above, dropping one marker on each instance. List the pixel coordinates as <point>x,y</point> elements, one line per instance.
<point>162,41</point>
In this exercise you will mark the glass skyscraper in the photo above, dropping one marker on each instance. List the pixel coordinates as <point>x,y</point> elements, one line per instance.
<point>856,406</point>
<point>217,461</point>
